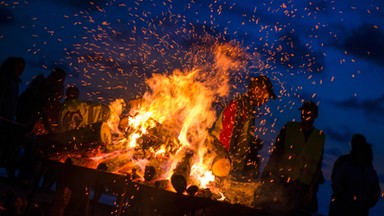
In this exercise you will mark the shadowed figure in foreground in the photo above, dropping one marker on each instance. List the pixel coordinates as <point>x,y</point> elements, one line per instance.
<point>38,109</point>
<point>40,102</point>
<point>355,183</point>
<point>10,72</point>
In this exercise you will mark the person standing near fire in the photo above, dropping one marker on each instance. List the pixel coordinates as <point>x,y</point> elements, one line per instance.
<point>40,103</point>
<point>235,128</point>
<point>37,110</point>
<point>10,71</point>
<point>355,184</point>
<point>292,175</point>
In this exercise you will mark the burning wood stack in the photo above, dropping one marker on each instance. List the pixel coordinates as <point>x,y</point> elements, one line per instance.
<point>163,139</point>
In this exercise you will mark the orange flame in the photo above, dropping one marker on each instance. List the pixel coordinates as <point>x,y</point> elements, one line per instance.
<point>116,109</point>
<point>174,116</point>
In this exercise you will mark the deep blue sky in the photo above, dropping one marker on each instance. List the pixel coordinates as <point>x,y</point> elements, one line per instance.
<point>335,50</point>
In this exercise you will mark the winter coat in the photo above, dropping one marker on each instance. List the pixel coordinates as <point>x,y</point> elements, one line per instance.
<point>355,187</point>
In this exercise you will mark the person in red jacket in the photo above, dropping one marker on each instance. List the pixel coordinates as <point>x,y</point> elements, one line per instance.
<point>235,128</point>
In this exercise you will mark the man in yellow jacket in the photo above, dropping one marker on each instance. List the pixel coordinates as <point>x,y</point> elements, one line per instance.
<point>291,176</point>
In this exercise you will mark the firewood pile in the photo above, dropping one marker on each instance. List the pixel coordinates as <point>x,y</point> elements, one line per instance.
<point>85,147</point>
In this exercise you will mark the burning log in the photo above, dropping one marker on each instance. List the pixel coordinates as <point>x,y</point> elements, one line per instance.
<point>119,163</point>
<point>156,138</point>
<point>179,183</point>
<point>149,173</point>
<point>80,138</point>
<point>221,165</point>
<point>181,174</point>
<point>192,190</point>
<point>82,125</point>
<point>161,184</point>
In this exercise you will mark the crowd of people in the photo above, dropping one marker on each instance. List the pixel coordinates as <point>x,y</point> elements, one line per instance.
<point>288,183</point>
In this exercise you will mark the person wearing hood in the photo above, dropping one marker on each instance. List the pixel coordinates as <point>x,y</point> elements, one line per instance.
<point>355,184</point>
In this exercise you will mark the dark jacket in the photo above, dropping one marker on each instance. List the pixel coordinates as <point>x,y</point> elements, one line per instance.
<point>9,91</point>
<point>29,103</point>
<point>355,186</point>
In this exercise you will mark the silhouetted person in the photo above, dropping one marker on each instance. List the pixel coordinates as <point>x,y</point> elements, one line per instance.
<point>355,183</point>
<point>38,110</point>
<point>40,102</point>
<point>235,128</point>
<point>10,72</point>
<point>291,176</point>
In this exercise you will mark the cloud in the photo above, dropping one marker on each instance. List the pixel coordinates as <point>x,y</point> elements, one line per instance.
<point>365,42</point>
<point>373,109</point>
<point>339,136</point>
<point>334,152</point>
<point>337,141</point>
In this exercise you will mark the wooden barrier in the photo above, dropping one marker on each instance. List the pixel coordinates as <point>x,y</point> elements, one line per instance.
<point>132,198</point>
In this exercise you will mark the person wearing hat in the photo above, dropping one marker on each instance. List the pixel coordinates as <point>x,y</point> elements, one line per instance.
<point>235,128</point>
<point>291,177</point>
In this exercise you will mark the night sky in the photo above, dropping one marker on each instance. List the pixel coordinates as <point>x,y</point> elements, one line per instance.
<point>329,51</point>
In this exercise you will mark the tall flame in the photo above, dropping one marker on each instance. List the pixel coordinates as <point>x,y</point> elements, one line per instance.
<point>180,104</point>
